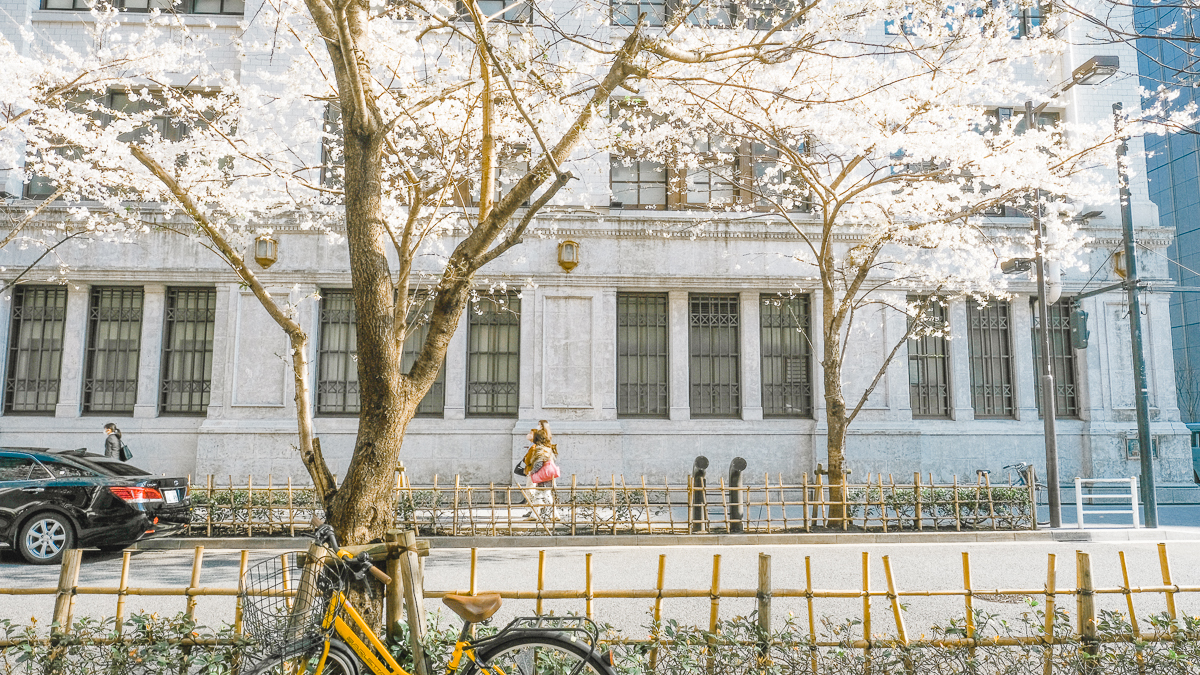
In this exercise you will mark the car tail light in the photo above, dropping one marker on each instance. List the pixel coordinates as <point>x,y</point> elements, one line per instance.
<point>137,495</point>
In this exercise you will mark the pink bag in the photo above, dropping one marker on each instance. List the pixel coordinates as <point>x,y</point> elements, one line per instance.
<point>548,472</point>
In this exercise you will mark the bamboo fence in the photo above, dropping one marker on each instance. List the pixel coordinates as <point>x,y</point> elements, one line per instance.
<point>1084,591</point>
<point>458,508</point>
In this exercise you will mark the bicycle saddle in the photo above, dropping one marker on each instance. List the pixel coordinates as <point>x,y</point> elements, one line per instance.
<point>473,608</point>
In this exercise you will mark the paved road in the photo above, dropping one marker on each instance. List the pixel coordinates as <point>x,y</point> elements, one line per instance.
<point>915,566</point>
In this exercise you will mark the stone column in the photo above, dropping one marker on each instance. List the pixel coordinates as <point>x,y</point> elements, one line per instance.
<point>74,353</point>
<point>962,407</point>
<point>456,370</point>
<point>5,329</point>
<point>677,312</point>
<point>606,354</point>
<point>751,357</point>
<point>1025,374</point>
<point>224,324</point>
<point>154,303</point>
<point>528,387</point>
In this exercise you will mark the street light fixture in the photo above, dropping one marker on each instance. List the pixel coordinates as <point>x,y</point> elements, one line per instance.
<point>1096,70</point>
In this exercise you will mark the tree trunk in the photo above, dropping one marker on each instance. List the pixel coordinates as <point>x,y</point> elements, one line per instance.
<point>836,422</point>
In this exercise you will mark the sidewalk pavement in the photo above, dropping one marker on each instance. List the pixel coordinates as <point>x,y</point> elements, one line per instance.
<point>1065,534</point>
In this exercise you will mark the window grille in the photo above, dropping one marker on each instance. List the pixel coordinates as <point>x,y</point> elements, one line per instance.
<point>929,365</point>
<point>186,6</point>
<point>643,377</point>
<point>114,346</point>
<point>1062,358</point>
<point>39,315</point>
<point>787,375</point>
<point>434,403</point>
<point>337,355</point>
<point>191,318</point>
<point>990,346</point>
<point>494,355</point>
<point>713,369</point>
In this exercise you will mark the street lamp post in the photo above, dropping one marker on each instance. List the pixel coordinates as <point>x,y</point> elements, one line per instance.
<point>1140,390</point>
<point>1047,379</point>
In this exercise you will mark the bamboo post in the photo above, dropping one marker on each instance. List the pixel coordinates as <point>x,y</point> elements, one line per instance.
<point>613,479</point>
<point>122,587</point>
<point>845,504</point>
<point>414,598</point>
<point>492,512</point>
<point>596,505</point>
<point>670,504</point>
<point>197,564</point>
<point>1165,566</point>
<point>662,572</point>
<point>987,480</point>
<point>291,509</point>
<point>64,597</point>
<point>1128,596</point>
<point>394,590</point>
<point>764,610</point>
<point>898,613</point>
<point>541,580</point>
<point>646,502</point>
<point>433,507</point>
<point>1085,606</point>
<point>917,493</point>
<point>270,505</point>
<point>454,509</point>
<point>1133,622</point>
<point>969,601</point>
<point>208,512</point>
<point>1051,585</point>
<point>238,607</point>
<point>587,563</point>
<point>249,505</point>
<point>1033,523</point>
<point>714,612</point>
<point>957,512</point>
<point>804,501</point>
<point>866,596</point>
<point>812,618</point>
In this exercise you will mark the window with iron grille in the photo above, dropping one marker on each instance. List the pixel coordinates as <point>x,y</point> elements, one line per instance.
<point>39,315</point>
<point>337,355</point>
<point>990,346</point>
<point>929,363</point>
<point>643,378</point>
<point>434,403</point>
<point>713,368</point>
<point>186,6</point>
<point>1062,358</point>
<point>190,323</point>
<point>114,345</point>
<point>494,355</point>
<point>787,376</point>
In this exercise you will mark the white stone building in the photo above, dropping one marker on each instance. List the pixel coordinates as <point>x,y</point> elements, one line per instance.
<point>651,351</point>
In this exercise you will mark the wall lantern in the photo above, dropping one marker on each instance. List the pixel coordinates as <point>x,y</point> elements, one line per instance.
<point>568,255</point>
<point>1096,70</point>
<point>266,251</point>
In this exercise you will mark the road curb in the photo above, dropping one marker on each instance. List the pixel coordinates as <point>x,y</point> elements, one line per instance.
<point>548,541</point>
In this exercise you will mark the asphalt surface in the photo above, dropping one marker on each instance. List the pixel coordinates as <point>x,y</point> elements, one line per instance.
<point>926,566</point>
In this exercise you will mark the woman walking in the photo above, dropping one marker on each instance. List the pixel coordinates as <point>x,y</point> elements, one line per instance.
<point>112,441</point>
<point>541,466</point>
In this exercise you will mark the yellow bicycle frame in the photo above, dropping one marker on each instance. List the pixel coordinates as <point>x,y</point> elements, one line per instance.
<point>375,655</point>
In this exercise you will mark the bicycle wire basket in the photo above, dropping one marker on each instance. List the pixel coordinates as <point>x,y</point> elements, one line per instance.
<point>284,600</point>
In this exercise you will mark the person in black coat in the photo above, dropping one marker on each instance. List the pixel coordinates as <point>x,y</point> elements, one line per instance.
<point>112,441</point>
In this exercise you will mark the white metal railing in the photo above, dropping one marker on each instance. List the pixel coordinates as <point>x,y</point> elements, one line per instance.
<point>1131,496</point>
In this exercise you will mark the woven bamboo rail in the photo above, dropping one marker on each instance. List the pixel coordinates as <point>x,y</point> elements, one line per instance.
<point>1084,591</point>
<point>456,508</point>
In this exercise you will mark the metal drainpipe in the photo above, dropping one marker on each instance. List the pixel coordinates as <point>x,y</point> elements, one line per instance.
<point>737,514</point>
<point>699,506</point>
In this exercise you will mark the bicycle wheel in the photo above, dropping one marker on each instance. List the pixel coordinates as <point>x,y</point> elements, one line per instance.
<point>541,653</point>
<point>341,661</point>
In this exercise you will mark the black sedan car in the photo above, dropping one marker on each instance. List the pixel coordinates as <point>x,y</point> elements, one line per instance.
<point>55,500</point>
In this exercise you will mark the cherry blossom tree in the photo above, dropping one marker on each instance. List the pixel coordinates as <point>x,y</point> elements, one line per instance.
<point>393,123</point>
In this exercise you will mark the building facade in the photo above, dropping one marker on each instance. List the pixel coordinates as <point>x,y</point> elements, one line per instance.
<point>652,350</point>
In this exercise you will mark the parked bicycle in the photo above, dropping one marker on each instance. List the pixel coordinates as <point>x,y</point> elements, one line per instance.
<point>296,611</point>
<point>1026,476</point>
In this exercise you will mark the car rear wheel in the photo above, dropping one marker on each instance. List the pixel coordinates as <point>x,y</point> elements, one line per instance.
<point>44,538</point>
